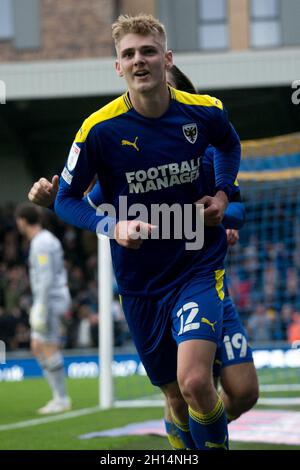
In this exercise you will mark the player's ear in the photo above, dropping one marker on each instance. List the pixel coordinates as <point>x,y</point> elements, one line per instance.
<point>119,69</point>
<point>169,59</point>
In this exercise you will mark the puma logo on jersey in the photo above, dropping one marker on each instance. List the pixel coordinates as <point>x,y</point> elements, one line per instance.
<point>132,144</point>
<point>205,320</point>
<point>215,445</point>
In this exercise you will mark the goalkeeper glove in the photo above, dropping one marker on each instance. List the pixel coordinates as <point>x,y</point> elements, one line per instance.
<point>38,318</point>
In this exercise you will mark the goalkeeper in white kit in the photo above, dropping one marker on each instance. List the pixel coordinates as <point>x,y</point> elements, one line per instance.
<point>51,299</point>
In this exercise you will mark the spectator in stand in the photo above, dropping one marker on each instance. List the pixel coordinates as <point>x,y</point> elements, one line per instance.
<point>286,317</point>
<point>84,327</point>
<point>294,329</point>
<point>260,325</point>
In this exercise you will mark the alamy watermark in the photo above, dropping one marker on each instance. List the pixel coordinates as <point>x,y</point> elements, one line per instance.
<point>176,222</point>
<point>296,93</point>
<point>2,352</point>
<point>2,92</point>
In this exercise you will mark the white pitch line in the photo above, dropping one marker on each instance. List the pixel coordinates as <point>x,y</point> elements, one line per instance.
<point>280,388</point>
<point>49,419</point>
<point>280,401</point>
<point>139,403</point>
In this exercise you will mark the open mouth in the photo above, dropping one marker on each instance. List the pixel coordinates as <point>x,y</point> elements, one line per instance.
<point>141,73</point>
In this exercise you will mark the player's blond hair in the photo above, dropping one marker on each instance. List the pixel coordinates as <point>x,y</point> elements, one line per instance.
<point>141,24</point>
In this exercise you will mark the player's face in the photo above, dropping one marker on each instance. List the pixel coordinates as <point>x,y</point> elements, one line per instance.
<point>142,61</point>
<point>21,225</point>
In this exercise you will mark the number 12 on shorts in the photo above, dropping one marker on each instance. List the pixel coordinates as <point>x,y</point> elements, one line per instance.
<point>189,323</point>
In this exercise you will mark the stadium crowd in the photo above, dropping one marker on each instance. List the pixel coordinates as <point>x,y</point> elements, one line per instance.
<point>80,326</point>
<point>263,281</point>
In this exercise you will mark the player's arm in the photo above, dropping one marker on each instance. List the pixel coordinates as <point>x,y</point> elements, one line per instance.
<point>235,214</point>
<point>43,266</point>
<point>234,217</point>
<point>45,274</point>
<point>76,176</point>
<point>70,206</point>
<point>79,170</point>
<point>94,197</point>
<point>227,155</point>
<point>128,233</point>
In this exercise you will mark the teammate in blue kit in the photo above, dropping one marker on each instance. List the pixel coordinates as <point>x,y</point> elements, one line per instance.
<point>234,361</point>
<point>146,145</point>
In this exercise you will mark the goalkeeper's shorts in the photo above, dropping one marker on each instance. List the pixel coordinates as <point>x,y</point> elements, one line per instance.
<point>159,325</point>
<point>55,310</point>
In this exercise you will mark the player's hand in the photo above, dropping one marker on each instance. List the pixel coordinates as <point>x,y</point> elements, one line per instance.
<point>232,236</point>
<point>132,233</point>
<point>214,208</point>
<point>43,192</point>
<point>38,318</point>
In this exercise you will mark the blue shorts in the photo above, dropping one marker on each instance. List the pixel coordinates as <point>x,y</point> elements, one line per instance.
<point>235,348</point>
<point>157,325</point>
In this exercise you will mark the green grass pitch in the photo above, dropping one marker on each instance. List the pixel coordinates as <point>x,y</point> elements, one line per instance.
<point>20,400</point>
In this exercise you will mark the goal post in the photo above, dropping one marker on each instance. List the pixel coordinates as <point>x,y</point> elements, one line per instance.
<point>105,347</point>
<point>129,386</point>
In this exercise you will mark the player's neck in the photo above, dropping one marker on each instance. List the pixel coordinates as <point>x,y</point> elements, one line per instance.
<point>32,231</point>
<point>152,105</point>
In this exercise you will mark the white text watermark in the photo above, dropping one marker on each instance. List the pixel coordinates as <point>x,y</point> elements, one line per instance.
<point>296,93</point>
<point>160,222</point>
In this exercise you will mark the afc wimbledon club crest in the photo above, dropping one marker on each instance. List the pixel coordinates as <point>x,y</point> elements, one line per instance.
<point>190,132</point>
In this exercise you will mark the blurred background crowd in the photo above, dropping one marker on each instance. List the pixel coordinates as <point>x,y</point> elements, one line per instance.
<point>263,279</point>
<point>80,325</point>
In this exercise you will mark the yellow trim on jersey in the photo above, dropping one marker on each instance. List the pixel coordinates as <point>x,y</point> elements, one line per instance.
<point>172,92</point>
<point>195,100</point>
<point>219,277</point>
<point>113,109</point>
<point>127,100</point>
<point>236,183</point>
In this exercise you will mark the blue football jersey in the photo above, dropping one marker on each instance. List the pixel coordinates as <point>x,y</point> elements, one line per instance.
<point>234,216</point>
<point>152,161</point>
